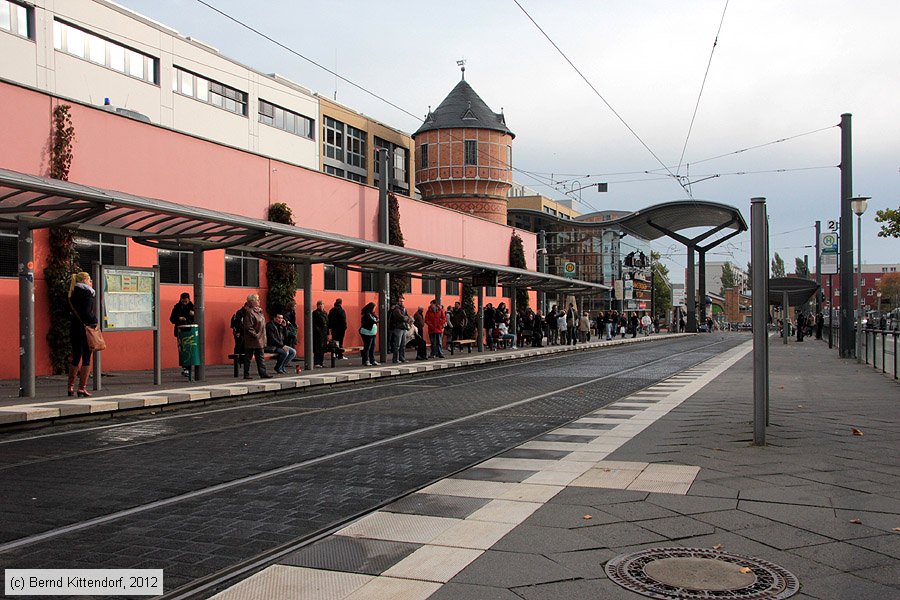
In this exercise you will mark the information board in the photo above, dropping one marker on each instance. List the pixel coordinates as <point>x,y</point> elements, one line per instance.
<point>129,298</point>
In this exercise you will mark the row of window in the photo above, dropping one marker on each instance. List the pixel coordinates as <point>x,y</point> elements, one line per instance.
<point>241,269</point>
<point>77,42</point>
<point>345,151</point>
<point>470,154</point>
<point>211,92</point>
<point>14,18</point>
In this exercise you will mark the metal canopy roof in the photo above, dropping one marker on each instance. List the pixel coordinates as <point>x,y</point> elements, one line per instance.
<point>49,202</point>
<point>799,290</point>
<point>681,214</point>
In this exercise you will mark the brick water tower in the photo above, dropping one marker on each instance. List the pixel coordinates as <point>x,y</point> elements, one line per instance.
<point>464,155</point>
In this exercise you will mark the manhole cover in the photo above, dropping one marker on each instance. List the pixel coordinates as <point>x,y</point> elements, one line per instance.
<point>668,573</point>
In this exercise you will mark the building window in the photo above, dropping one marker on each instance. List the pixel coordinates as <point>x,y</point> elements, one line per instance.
<point>176,266</point>
<point>490,290</point>
<point>506,291</point>
<point>333,139</point>
<point>870,292</point>
<point>9,252</point>
<point>423,156</point>
<point>430,285</point>
<point>15,19</point>
<point>334,171</point>
<point>77,42</point>
<point>452,288</point>
<point>335,278</point>
<point>286,120</point>
<point>471,152</point>
<point>208,91</point>
<point>356,147</point>
<point>369,281</point>
<point>509,157</point>
<point>399,180</point>
<point>355,177</point>
<point>105,248</point>
<point>241,269</point>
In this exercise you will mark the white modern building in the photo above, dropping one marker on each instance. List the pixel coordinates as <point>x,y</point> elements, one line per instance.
<point>714,276</point>
<point>97,52</point>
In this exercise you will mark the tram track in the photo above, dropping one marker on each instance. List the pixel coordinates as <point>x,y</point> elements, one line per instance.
<point>281,477</point>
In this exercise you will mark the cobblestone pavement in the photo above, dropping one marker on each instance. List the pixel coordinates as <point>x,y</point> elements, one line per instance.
<point>675,469</point>
<point>198,492</point>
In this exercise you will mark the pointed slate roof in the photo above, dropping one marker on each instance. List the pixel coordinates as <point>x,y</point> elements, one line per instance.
<point>464,108</point>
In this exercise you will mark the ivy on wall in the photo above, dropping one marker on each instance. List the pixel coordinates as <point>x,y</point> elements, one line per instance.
<point>467,300</point>
<point>281,276</point>
<point>399,280</point>
<point>62,260</point>
<point>517,259</point>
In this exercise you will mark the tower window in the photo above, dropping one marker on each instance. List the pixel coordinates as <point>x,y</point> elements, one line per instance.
<point>471,152</point>
<point>423,156</point>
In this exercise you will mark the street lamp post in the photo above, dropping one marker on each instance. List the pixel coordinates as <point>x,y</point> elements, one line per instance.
<point>858,206</point>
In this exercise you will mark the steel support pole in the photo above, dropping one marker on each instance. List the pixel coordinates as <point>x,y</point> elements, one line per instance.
<point>830,311</point>
<point>512,312</point>
<point>200,311</point>
<point>701,276</point>
<point>480,319</point>
<point>785,320</point>
<point>818,268</point>
<point>690,292</point>
<point>306,270</point>
<point>759,263</point>
<point>157,342</point>
<point>384,307</point>
<point>542,267</point>
<point>384,236</point>
<point>26,309</point>
<point>846,239</point>
<point>859,298</point>
<point>98,308</point>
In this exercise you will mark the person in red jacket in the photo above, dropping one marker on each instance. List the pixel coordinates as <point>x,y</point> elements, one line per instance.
<point>436,319</point>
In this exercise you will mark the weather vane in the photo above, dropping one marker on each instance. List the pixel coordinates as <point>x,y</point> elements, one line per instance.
<point>461,63</point>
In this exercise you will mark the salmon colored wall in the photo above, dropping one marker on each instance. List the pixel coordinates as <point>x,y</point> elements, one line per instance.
<point>118,153</point>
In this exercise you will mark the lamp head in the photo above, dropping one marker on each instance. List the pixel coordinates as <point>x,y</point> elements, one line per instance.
<point>859,204</point>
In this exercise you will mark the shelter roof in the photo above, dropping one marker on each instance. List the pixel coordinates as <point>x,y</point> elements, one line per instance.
<point>679,215</point>
<point>799,290</point>
<point>48,202</point>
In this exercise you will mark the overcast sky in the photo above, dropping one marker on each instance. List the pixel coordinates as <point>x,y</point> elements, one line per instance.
<point>780,69</point>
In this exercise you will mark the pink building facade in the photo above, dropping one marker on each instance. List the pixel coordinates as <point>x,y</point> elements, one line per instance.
<point>119,153</point>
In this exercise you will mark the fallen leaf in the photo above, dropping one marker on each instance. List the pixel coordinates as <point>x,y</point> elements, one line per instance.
<point>856,521</point>
<point>780,387</point>
<point>799,406</point>
<point>717,547</point>
<point>745,570</point>
<point>856,431</point>
<point>587,517</point>
<point>896,528</point>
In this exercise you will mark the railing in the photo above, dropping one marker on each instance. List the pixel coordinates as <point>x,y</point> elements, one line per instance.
<point>879,349</point>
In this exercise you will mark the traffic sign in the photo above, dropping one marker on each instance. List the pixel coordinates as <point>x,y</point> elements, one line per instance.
<point>569,269</point>
<point>828,242</point>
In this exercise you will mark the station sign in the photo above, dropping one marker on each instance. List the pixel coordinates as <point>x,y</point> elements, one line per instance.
<point>829,245</point>
<point>569,269</point>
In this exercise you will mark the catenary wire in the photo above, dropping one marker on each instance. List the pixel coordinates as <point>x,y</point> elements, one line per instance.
<point>702,86</point>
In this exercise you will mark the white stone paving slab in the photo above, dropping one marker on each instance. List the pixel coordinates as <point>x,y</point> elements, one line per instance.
<point>469,488</point>
<point>617,479</point>
<point>434,563</point>
<point>280,582</point>
<point>398,527</point>
<point>390,588</point>
<point>520,464</point>
<point>505,511</point>
<point>473,534</point>
<point>529,492</point>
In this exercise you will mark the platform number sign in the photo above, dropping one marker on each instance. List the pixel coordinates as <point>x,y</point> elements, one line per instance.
<point>569,269</point>
<point>834,224</point>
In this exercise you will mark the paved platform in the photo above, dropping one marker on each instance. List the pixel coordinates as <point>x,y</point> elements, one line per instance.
<point>669,466</point>
<point>130,391</point>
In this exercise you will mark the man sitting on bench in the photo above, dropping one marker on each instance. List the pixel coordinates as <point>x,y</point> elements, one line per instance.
<point>276,332</point>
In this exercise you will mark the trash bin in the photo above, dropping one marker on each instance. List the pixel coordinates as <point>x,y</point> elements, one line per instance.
<point>188,345</point>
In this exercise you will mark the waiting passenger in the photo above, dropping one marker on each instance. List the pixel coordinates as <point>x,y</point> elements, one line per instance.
<point>276,335</point>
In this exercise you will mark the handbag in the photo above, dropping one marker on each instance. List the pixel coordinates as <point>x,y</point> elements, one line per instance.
<point>94,338</point>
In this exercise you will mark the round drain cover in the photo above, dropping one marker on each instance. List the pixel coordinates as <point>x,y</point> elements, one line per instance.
<point>671,573</point>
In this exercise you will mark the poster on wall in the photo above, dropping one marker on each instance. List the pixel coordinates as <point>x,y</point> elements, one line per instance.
<point>129,298</point>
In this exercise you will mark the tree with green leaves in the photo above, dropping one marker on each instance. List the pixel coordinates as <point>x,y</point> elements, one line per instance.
<point>517,259</point>
<point>749,276</point>
<point>281,276</point>
<point>662,290</point>
<point>729,278</point>
<point>467,300</point>
<point>800,268</point>
<point>890,220</point>
<point>777,266</point>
